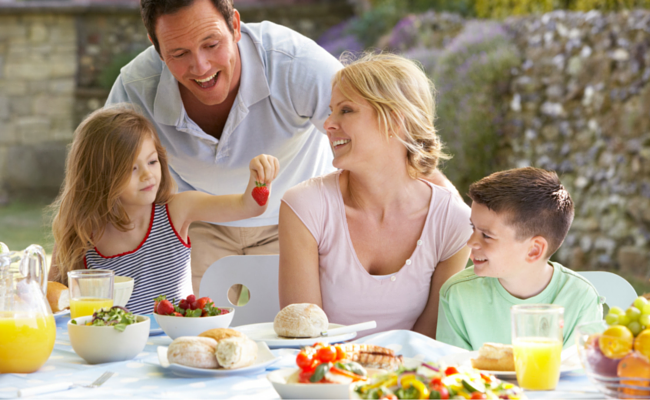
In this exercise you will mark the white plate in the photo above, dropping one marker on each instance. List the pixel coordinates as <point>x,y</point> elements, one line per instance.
<point>61,314</point>
<point>264,359</point>
<point>264,333</point>
<point>463,359</point>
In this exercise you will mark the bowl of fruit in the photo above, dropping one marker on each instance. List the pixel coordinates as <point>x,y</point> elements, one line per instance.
<point>615,353</point>
<point>190,316</point>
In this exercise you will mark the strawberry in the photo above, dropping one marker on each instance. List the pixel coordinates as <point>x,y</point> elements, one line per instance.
<point>184,304</point>
<point>165,307</point>
<point>200,303</point>
<point>191,299</point>
<point>176,314</point>
<point>260,193</point>
<point>157,301</point>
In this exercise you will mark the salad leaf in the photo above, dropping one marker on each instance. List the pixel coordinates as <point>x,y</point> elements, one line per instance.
<point>116,316</point>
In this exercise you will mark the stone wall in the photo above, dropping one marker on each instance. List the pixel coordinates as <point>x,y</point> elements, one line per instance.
<point>56,58</point>
<point>37,84</point>
<point>580,105</point>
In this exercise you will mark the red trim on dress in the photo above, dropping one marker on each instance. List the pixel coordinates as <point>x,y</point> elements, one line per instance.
<point>153,209</point>
<point>169,218</point>
<point>85,263</point>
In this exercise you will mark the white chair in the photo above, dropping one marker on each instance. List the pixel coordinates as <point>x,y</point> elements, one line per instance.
<point>614,288</point>
<point>258,273</point>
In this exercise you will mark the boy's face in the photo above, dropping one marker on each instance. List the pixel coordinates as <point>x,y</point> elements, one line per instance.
<point>495,251</point>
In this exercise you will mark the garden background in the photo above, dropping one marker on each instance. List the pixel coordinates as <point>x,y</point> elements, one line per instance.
<point>556,84</point>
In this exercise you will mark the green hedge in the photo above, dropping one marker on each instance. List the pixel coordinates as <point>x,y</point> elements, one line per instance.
<point>497,9</point>
<point>471,77</point>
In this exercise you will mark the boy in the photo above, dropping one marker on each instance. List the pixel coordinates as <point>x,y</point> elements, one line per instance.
<point>519,218</point>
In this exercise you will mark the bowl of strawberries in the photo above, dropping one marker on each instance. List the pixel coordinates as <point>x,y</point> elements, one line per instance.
<point>190,316</point>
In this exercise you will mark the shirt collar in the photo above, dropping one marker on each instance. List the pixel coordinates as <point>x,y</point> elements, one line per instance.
<point>253,87</point>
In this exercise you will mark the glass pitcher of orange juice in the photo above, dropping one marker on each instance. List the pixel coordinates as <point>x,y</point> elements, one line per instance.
<point>27,327</point>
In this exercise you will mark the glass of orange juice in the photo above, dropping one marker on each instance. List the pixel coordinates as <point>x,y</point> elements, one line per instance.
<point>537,344</point>
<point>90,290</point>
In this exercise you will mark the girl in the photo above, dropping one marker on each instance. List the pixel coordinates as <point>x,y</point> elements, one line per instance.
<point>118,208</point>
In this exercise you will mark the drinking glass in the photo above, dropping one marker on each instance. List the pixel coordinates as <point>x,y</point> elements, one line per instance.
<point>90,290</point>
<point>537,344</point>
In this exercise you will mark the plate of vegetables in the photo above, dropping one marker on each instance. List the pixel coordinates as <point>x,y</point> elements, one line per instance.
<point>323,372</point>
<point>428,381</point>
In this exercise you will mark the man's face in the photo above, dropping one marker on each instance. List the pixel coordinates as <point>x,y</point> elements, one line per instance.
<point>200,51</point>
<point>495,250</point>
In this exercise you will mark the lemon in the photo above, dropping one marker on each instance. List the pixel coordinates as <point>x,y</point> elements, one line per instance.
<point>616,341</point>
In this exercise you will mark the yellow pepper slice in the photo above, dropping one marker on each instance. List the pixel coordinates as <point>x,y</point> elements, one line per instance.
<point>392,381</point>
<point>419,386</point>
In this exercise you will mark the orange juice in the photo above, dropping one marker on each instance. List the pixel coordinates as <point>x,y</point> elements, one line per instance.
<point>87,306</point>
<point>537,362</point>
<point>25,343</point>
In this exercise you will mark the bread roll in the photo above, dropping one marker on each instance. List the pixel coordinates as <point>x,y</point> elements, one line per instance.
<point>236,352</point>
<point>58,296</point>
<point>495,357</point>
<point>221,333</point>
<point>192,351</point>
<point>300,320</point>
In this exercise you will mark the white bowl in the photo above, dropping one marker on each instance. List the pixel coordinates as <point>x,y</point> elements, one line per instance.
<point>290,390</point>
<point>176,327</point>
<point>102,344</point>
<point>122,290</point>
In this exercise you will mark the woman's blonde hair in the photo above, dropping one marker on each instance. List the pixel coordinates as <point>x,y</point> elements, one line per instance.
<point>402,96</point>
<point>98,168</point>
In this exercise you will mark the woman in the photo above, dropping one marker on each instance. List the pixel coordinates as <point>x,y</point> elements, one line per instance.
<point>374,241</point>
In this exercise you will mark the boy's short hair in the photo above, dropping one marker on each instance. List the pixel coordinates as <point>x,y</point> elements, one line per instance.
<point>534,200</point>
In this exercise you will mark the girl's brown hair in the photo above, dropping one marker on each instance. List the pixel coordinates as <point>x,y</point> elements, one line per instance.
<point>98,168</point>
<point>402,96</point>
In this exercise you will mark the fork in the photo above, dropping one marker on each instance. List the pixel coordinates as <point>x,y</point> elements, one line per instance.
<point>55,387</point>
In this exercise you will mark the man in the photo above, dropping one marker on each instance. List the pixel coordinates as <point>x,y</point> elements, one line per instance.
<point>221,92</point>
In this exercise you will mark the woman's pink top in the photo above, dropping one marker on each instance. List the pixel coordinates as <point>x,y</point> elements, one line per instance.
<point>350,294</point>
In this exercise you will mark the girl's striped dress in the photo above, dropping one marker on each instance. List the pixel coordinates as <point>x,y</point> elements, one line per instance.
<point>159,265</point>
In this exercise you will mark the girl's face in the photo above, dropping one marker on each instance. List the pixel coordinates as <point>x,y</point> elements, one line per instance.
<point>354,133</point>
<point>142,187</point>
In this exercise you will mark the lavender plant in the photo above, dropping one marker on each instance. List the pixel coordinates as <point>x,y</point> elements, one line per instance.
<point>471,74</point>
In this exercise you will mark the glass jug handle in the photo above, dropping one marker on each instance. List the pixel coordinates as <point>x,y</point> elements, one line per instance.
<point>34,266</point>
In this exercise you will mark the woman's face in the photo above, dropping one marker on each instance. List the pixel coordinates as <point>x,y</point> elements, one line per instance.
<point>354,133</point>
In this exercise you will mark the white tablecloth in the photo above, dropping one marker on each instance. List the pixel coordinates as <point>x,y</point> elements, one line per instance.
<point>143,377</point>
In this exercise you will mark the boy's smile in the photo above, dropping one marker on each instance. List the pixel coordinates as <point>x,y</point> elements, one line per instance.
<point>495,250</point>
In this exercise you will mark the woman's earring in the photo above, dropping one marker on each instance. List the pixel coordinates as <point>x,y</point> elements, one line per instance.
<point>390,136</point>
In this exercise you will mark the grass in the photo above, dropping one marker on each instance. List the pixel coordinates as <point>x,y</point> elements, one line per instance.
<point>24,222</point>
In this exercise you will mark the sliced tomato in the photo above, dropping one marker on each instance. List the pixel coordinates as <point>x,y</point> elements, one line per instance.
<point>304,376</point>
<point>478,395</point>
<point>451,371</point>
<point>304,360</point>
<point>327,354</point>
<point>340,353</point>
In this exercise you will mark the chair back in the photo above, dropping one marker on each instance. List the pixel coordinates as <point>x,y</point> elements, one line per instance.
<point>258,273</point>
<point>614,288</point>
